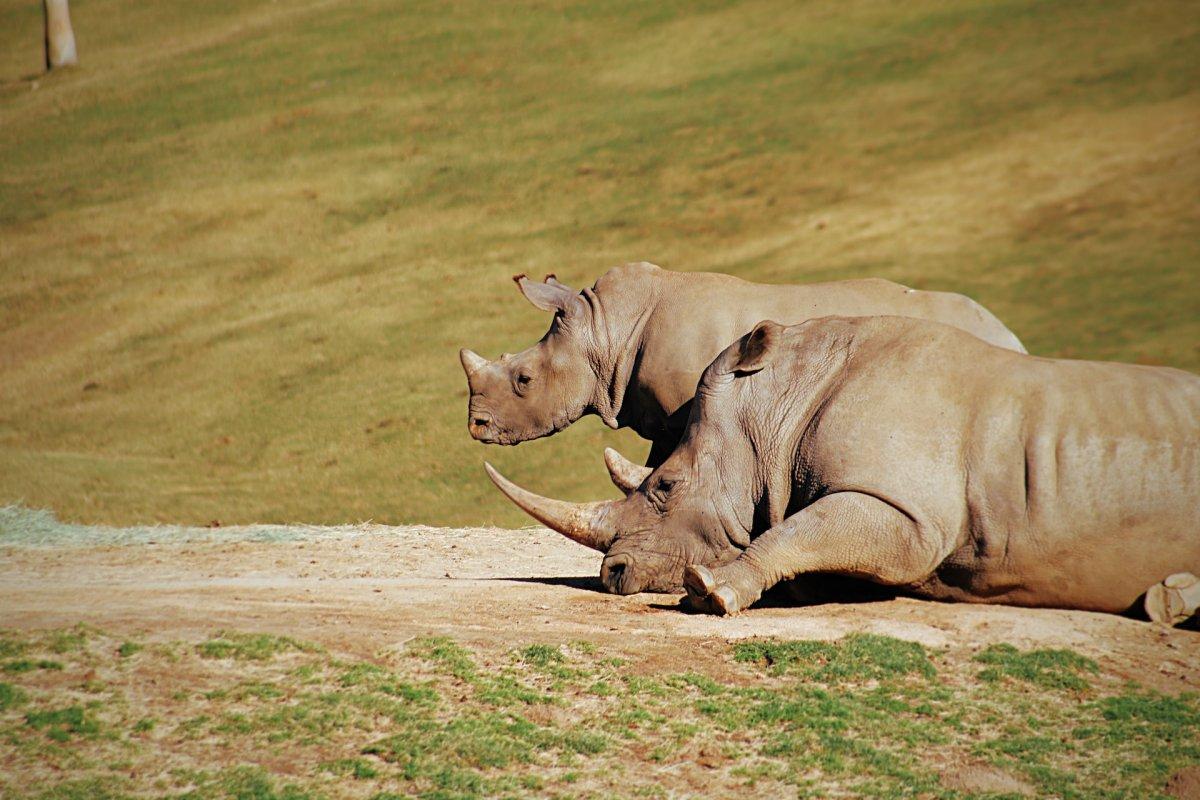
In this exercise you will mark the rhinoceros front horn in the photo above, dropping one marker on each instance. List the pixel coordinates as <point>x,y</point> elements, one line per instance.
<point>472,362</point>
<point>625,474</point>
<point>579,522</point>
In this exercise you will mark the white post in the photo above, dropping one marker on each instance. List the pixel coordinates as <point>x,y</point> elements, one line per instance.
<point>60,39</point>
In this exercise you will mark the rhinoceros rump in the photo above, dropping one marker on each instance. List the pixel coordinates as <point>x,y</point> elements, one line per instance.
<point>632,347</point>
<point>911,454</point>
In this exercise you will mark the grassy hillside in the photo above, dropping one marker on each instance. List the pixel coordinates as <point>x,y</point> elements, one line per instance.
<point>242,243</point>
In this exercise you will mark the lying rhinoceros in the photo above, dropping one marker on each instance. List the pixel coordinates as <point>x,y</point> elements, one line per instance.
<point>631,348</point>
<point>911,454</point>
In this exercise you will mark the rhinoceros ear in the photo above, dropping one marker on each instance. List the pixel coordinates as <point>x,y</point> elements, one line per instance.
<point>755,348</point>
<point>547,296</point>
<point>553,280</point>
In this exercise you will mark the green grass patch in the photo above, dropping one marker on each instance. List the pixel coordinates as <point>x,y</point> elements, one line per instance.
<point>863,716</point>
<point>86,789</point>
<point>63,723</point>
<point>448,656</point>
<point>27,665</point>
<point>542,655</point>
<point>859,656</point>
<point>128,649</point>
<point>11,696</point>
<point>251,646</point>
<point>68,641</point>
<point>11,645</point>
<point>1053,669</point>
<point>247,783</point>
<point>1151,714</point>
<point>357,768</point>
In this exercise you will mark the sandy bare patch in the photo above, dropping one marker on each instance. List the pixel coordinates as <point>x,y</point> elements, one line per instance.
<point>369,588</point>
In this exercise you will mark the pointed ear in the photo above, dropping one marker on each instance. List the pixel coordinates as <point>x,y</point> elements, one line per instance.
<point>547,296</point>
<point>755,349</point>
<point>553,280</point>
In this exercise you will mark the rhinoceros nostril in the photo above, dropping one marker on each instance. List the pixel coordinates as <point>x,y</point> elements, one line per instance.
<point>480,422</point>
<point>616,576</point>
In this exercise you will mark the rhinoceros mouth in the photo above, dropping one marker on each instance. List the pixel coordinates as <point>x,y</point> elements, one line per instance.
<point>489,435</point>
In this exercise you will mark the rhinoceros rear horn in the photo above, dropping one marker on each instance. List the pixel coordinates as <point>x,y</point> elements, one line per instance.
<point>579,522</point>
<point>625,474</point>
<point>472,362</point>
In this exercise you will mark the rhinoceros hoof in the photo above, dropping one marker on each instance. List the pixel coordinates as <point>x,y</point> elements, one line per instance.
<point>699,580</point>
<point>1174,600</point>
<point>705,594</point>
<point>725,600</point>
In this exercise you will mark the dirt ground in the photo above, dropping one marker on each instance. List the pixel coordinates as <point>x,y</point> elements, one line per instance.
<point>368,588</point>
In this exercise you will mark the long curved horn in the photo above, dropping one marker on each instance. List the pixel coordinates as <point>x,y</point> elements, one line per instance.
<point>625,474</point>
<point>472,362</point>
<point>580,522</point>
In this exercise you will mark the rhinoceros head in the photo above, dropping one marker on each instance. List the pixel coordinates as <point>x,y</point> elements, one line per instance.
<point>544,388</point>
<point>698,507</point>
<point>649,537</point>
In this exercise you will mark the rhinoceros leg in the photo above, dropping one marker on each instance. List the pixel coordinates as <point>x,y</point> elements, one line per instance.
<point>847,532</point>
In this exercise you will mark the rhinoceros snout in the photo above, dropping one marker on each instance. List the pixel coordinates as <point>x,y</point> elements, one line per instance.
<point>617,575</point>
<point>480,425</point>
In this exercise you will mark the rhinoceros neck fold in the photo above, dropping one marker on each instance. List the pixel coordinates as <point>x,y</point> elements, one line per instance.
<point>620,323</point>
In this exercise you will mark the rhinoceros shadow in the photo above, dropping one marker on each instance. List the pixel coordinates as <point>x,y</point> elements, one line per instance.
<point>815,590</point>
<point>589,583</point>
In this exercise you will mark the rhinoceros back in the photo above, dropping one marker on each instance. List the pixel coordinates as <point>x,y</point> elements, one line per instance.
<point>698,314</point>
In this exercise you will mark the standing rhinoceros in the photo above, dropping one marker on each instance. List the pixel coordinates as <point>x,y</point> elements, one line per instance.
<point>910,454</point>
<point>631,348</point>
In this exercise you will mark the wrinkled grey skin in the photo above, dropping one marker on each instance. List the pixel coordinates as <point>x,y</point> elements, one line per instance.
<point>631,348</point>
<point>911,454</point>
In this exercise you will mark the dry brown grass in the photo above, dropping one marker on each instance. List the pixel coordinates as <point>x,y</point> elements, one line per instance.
<point>240,245</point>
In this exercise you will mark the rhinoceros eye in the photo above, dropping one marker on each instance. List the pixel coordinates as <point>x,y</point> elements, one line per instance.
<point>660,492</point>
<point>523,381</point>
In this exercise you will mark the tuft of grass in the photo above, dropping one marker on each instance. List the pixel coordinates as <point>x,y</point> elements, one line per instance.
<point>858,656</point>
<point>61,723</point>
<point>11,696</point>
<point>250,783</point>
<point>357,768</point>
<point>542,655</point>
<point>69,641</point>
<point>26,665</point>
<point>364,673</point>
<point>11,645</point>
<point>377,679</point>
<point>251,646</point>
<point>128,649</point>
<point>1052,669</point>
<point>105,788</point>
<point>445,654</point>
<point>1171,717</point>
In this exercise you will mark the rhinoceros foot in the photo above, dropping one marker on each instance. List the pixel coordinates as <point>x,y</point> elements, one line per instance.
<point>706,594</point>
<point>1174,600</point>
